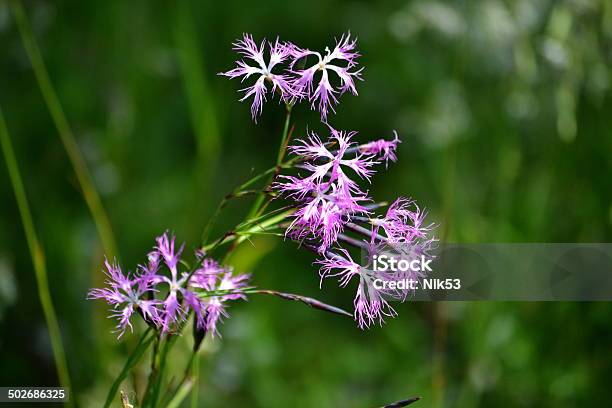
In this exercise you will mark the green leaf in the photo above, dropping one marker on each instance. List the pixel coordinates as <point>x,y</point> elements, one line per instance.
<point>143,345</point>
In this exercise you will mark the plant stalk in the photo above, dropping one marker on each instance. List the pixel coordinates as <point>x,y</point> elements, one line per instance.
<point>65,132</point>
<point>37,255</point>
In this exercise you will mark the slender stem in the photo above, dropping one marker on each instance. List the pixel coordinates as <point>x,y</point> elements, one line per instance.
<point>352,241</point>
<point>143,344</point>
<point>279,158</point>
<point>376,205</point>
<point>240,235</point>
<point>65,132</point>
<point>364,231</point>
<point>402,403</point>
<point>182,392</point>
<point>359,228</point>
<point>196,379</point>
<point>37,254</point>
<point>285,136</point>
<point>160,366</point>
<point>257,208</point>
<point>187,375</point>
<point>153,374</point>
<point>238,192</point>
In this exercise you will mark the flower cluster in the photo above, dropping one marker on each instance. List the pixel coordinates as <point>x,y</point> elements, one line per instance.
<point>400,230</point>
<point>164,297</point>
<point>330,205</point>
<point>329,200</point>
<point>328,197</point>
<point>296,73</point>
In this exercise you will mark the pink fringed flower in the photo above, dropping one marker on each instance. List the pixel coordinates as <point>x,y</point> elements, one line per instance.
<point>278,53</point>
<point>341,63</point>
<point>126,295</point>
<point>370,306</point>
<point>180,299</point>
<point>328,196</point>
<point>403,222</point>
<point>385,149</point>
<point>138,293</point>
<point>213,278</point>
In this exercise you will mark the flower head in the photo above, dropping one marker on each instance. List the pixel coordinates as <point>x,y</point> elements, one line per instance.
<point>214,278</point>
<point>370,305</point>
<point>126,295</point>
<point>258,68</point>
<point>403,222</point>
<point>206,275</point>
<point>328,196</point>
<point>165,248</point>
<point>180,299</point>
<point>165,296</point>
<point>385,149</point>
<point>341,62</point>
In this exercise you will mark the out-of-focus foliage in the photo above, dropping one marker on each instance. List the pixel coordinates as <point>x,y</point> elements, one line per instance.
<point>504,109</point>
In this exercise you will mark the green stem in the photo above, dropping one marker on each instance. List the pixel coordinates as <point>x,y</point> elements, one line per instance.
<point>143,344</point>
<point>158,378</point>
<point>196,378</point>
<point>279,158</point>
<point>240,236</point>
<point>285,136</point>
<point>187,377</point>
<point>154,367</point>
<point>65,132</point>
<point>37,254</point>
<point>181,394</point>
<point>240,191</point>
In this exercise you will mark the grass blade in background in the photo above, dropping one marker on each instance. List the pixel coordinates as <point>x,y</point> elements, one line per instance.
<point>314,303</point>
<point>37,254</point>
<point>199,98</point>
<point>402,403</point>
<point>133,359</point>
<point>201,106</point>
<point>65,132</point>
<point>181,394</point>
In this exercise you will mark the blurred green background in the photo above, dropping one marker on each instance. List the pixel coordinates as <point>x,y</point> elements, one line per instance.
<point>504,110</point>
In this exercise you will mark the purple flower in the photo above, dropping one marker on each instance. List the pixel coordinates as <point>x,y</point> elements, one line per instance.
<point>323,216</point>
<point>341,61</point>
<point>205,277</point>
<point>385,149</point>
<point>402,233</point>
<point>403,222</point>
<point>128,294</point>
<point>370,306</point>
<point>165,248</point>
<point>279,52</point>
<point>125,295</point>
<point>327,197</point>
<point>180,299</point>
<point>213,278</point>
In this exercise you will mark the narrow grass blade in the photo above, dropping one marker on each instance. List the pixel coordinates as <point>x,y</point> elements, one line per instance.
<point>65,132</point>
<point>181,394</point>
<point>37,254</point>
<point>144,343</point>
<point>200,101</point>
<point>157,378</point>
<point>314,303</point>
<point>402,403</point>
<point>196,377</point>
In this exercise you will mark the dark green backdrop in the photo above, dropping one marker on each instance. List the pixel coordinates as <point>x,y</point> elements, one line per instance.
<point>504,110</point>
